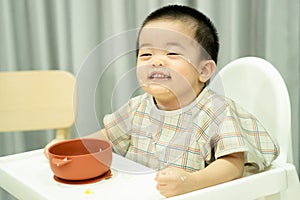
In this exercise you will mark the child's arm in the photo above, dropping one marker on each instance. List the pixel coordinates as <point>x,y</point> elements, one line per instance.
<point>173,181</point>
<point>102,134</point>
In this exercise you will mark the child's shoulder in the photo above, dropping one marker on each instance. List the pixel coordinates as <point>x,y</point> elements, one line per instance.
<point>140,99</point>
<point>217,101</point>
<point>209,96</point>
<point>229,105</point>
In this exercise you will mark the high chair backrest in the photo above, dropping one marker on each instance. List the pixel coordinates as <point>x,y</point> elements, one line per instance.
<point>257,86</point>
<point>37,100</point>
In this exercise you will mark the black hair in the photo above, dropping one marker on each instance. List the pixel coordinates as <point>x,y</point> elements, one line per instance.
<point>205,34</point>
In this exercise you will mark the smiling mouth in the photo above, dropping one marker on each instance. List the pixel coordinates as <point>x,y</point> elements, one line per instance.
<point>159,76</point>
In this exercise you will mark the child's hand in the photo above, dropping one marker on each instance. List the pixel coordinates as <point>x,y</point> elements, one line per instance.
<point>173,181</point>
<point>49,144</point>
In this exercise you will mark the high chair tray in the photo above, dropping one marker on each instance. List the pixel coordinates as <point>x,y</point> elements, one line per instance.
<point>28,176</point>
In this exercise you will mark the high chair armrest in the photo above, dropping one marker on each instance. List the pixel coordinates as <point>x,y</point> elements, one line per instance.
<point>275,181</point>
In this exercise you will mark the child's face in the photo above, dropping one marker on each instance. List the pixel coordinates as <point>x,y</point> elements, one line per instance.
<point>168,60</point>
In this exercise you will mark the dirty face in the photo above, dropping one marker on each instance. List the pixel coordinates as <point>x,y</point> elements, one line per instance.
<point>168,63</point>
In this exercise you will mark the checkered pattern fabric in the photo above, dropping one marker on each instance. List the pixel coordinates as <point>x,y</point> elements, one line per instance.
<point>210,127</point>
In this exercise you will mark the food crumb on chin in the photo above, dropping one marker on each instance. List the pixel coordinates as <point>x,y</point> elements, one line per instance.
<point>88,191</point>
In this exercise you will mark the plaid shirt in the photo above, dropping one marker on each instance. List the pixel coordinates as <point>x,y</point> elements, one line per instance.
<point>189,138</point>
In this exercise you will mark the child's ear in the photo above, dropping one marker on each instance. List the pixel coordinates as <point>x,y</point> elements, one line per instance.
<point>207,69</point>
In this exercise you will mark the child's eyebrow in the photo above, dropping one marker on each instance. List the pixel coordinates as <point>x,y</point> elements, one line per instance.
<point>145,45</point>
<point>168,44</point>
<point>175,44</point>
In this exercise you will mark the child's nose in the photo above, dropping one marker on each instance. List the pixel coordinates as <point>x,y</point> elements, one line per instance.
<point>157,62</point>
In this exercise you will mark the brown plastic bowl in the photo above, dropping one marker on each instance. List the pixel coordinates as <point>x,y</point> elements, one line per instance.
<point>80,159</point>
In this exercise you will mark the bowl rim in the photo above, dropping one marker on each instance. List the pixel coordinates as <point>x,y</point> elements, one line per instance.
<point>109,148</point>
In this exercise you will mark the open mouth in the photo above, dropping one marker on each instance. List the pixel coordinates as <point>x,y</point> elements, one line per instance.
<point>159,76</point>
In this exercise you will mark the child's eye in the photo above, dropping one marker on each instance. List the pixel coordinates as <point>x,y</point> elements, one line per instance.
<point>173,54</point>
<point>145,54</point>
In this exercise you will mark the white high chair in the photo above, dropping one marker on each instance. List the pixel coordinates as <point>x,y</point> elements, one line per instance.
<point>257,86</point>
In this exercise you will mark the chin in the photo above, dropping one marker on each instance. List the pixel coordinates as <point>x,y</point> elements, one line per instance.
<point>156,90</point>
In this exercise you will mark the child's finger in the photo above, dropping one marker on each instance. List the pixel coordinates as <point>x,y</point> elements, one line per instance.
<point>164,177</point>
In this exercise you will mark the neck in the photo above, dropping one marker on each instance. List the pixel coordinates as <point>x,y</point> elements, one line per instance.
<point>172,102</point>
<point>164,104</point>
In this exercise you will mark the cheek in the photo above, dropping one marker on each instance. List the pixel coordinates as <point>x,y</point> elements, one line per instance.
<point>139,73</point>
<point>142,72</point>
<point>195,61</point>
<point>186,72</point>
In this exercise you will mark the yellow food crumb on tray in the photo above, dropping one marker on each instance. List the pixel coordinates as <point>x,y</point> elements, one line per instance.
<point>88,191</point>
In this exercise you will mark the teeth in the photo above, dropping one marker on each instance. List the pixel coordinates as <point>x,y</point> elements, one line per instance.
<point>159,76</point>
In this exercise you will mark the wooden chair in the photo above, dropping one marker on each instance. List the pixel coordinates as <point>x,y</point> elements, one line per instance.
<point>37,100</point>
